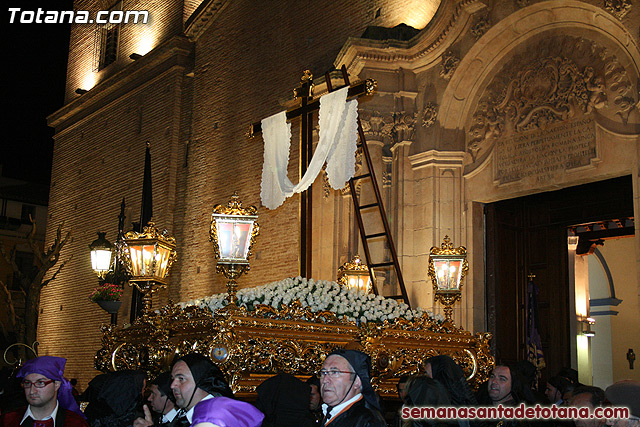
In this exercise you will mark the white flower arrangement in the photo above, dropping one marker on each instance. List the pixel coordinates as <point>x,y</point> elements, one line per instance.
<point>319,295</point>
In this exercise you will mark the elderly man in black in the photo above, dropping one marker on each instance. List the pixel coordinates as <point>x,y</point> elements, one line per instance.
<point>349,399</point>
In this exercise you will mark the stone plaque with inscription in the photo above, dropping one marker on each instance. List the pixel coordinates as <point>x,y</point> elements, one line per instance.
<point>539,155</point>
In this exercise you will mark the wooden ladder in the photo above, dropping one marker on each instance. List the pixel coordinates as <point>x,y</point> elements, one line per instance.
<point>386,234</point>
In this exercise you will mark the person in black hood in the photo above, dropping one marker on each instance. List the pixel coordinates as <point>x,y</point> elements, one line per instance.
<point>448,373</point>
<point>284,400</point>
<point>195,378</point>
<point>115,398</point>
<point>425,391</point>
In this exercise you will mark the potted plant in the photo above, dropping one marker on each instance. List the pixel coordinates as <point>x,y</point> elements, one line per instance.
<point>107,296</point>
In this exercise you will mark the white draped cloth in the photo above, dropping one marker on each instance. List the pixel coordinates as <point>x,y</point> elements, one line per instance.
<point>338,132</point>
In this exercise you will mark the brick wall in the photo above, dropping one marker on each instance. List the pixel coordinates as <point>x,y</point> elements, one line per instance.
<point>246,64</point>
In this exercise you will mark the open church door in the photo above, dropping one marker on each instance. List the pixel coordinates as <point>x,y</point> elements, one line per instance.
<point>528,235</point>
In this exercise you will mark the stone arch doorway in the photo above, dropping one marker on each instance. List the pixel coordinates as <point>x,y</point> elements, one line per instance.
<point>528,235</point>
<point>536,107</point>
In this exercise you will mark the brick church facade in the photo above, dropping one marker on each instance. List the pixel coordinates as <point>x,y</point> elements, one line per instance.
<point>477,102</point>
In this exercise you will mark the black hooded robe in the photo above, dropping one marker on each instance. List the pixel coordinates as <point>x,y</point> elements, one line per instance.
<point>360,414</point>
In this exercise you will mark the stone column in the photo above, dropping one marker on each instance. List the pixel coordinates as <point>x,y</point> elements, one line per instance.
<point>438,212</point>
<point>401,219</point>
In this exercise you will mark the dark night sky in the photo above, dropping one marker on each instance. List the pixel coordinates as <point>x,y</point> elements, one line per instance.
<point>35,63</point>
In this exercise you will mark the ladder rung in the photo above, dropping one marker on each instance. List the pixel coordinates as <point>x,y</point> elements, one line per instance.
<point>366,175</point>
<point>381,264</point>
<point>371,236</point>
<point>395,297</point>
<point>370,205</point>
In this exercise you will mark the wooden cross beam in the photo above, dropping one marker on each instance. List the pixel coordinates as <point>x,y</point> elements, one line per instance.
<point>308,105</point>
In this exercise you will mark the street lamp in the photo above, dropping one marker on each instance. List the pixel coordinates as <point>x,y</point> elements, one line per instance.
<point>106,261</point>
<point>148,258</point>
<point>355,275</point>
<point>447,268</point>
<point>233,232</point>
<point>101,254</point>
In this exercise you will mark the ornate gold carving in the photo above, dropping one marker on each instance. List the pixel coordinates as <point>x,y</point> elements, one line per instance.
<point>307,78</point>
<point>449,64</point>
<point>234,207</point>
<point>618,8</point>
<point>371,86</point>
<point>250,346</point>
<point>150,231</point>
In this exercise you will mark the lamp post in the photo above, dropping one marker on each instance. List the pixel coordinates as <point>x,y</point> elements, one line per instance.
<point>106,261</point>
<point>233,232</point>
<point>148,258</point>
<point>447,268</point>
<point>355,275</point>
<point>101,255</point>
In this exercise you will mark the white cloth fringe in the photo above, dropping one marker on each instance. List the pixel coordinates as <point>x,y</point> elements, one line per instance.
<point>338,123</point>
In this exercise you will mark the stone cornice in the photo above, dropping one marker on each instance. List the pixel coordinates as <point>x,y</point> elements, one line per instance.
<point>421,52</point>
<point>437,158</point>
<point>203,17</point>
<point>175,52</point>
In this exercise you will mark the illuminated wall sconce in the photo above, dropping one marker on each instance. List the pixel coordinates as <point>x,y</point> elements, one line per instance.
<point>586,327</point>
<point>81,91</point>
<point>355,275</point>
<point>233,231</point>
<point>447,268</point>
<point>135,56</point>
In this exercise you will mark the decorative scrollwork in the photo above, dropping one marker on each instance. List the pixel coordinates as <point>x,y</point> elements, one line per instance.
<point>259,343</point>
<point>449,64</point>
<point>481,26</point>
<point>429,115</point>
<point>554,80</point>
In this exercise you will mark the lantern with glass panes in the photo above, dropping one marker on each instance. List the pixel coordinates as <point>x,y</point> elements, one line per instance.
<point>101,255</point>
<point>355,275</point>
<point>233,231</point>
<point>447,269</point>
<point>149,256</point>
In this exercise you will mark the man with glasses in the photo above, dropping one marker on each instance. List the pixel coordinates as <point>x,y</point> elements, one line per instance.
<point>51,402</point>
<point>345,386</point>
